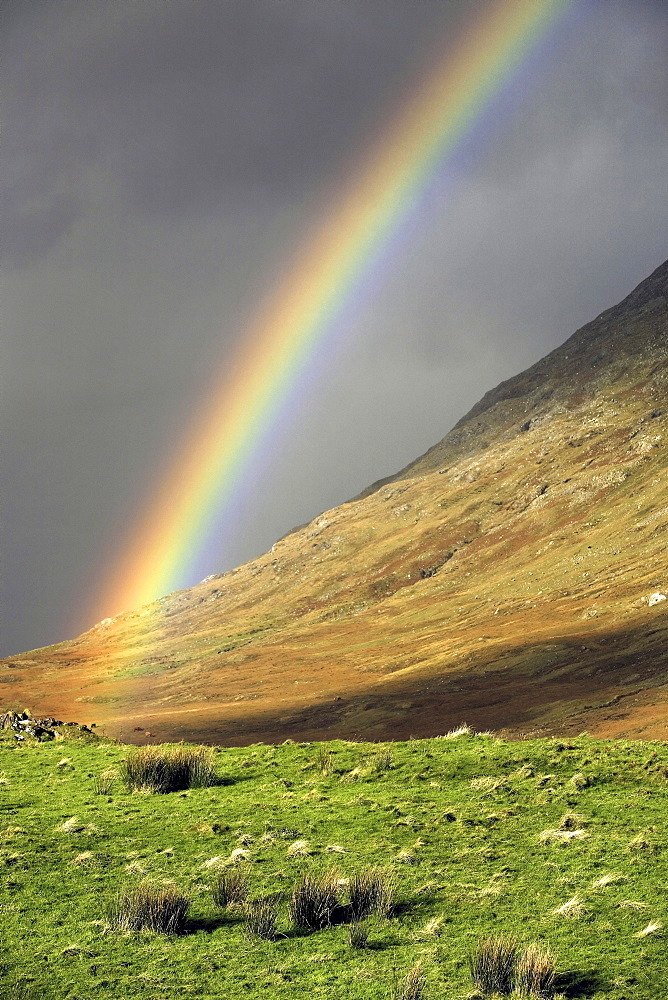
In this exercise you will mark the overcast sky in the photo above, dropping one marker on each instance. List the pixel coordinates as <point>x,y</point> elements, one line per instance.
<point>163,159</point>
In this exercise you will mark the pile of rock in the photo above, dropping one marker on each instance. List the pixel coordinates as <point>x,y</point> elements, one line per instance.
<point>23,724</point>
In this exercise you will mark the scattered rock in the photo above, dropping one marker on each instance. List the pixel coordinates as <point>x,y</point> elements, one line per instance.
<point>24,724</point>
<point>655,598</point>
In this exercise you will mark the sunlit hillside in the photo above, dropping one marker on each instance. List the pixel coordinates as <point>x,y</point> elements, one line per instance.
<point>512,576</point>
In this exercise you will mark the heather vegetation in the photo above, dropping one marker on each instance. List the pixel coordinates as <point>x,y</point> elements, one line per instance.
<point>425,870</point>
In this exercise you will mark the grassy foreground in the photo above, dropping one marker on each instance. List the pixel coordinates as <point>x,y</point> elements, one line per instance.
<point>557,843</point>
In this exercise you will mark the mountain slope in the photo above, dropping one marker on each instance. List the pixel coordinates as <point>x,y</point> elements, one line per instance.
<point>503,578</point>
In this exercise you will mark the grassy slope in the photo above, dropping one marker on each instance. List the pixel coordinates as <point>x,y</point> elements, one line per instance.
<point>503,577</point>
<point>484,871</point>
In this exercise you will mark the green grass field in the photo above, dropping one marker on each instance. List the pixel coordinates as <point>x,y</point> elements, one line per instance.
<point>559,843</point>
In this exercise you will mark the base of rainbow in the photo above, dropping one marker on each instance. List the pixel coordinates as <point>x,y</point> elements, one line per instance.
<point>206,474</point>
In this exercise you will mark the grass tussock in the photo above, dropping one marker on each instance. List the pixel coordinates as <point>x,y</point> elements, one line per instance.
<point>499,967</point>
<point>358,934</point>
<point>383,760</point>
<point>433,928</point>
<point>103,784</point>
<point>605,880</point>
<point>165,769</point>
<point>492,964</point>
<point>299,848</point>
<point>655,927</point>
<point>71,825</point>
<point>572,821</point>
<point>231,888</point>
<point>579,781</point>
<point>86,859</point>
<point>641,843</point>
<point>260,917</point>
<point>488,785</point>
<point>238,856</point>
<point>371,890</point>
<point>453,734</point>
<point>535,972</point>
<point>573,907</point>
<point>413,984</point>
<point>324,759</point>
<point>315,899</point>
<point>562,836</point>
<point>159,908</point>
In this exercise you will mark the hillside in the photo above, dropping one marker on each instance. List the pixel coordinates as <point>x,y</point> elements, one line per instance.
<point>504,578</point>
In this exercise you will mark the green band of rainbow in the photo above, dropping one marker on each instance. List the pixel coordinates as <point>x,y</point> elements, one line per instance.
<point>211,462</point>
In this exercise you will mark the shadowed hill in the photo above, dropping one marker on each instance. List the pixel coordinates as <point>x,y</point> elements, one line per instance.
<point>504,577</point>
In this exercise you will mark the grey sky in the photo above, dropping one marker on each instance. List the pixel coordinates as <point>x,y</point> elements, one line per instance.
<point>161,161</point>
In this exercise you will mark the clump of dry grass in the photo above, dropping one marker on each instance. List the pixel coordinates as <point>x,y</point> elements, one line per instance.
<point>238,855</point>
<point>498,966</point>
<point>158,908</point>
<point>641,843</point>
<point>260,919</point>
<point>325,759</point>
<point>165,769</point>
<point>562,836</point>
<point>103,784</point>
<point>86,859</point>
<point>488,785</point>
<point>571,821</point>
<point>217,861</point>
<point>604,880</point>
<point>655,927</point>
<point>573,907</point>
<point>71,825</point>
<point>463,730</point>
<point>579,781</point>
<point>299,848</point>
<point>535,972</point>
<point>404,821</point>
<point>358,934</point>
<point>492,964</point>
<point>413,984</point>
<point>355,775</point>
<point>383,760</point>
<point>433,928</point>
<point>231,887</point>
<point>314,900</point>
<point>371,891</point>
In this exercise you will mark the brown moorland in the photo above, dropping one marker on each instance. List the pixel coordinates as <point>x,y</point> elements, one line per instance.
<point>504,578</point>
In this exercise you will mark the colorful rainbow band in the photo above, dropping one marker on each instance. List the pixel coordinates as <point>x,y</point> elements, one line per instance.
<point>209,468</point>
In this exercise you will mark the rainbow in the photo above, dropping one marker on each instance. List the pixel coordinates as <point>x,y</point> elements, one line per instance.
<point>207,472</point>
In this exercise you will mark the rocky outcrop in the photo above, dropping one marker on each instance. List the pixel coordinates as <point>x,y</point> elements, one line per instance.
<point>23,724</point>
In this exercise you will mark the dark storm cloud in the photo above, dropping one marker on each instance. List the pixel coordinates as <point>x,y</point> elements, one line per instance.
<point>190,107</point>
